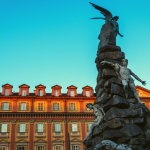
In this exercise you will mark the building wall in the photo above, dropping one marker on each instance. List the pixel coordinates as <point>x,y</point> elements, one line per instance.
<point>48,139</point>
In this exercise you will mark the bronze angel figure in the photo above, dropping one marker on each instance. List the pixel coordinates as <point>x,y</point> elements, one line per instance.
<point>108,18</point>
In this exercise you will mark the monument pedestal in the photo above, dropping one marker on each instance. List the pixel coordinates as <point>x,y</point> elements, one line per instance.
<point>125,121</point>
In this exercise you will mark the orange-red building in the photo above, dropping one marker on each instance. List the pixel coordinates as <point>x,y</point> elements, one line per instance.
<point>47,121</point>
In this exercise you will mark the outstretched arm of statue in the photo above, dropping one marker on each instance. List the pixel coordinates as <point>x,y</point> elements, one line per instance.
<point>120,34</point>
<point>106,62</point>
<point>136,77</point>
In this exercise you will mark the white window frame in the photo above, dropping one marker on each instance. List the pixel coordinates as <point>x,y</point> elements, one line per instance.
<point>40,146</point>
<point>58,146</point>
<point>73,129</point>
<point>75,148</point>
<point>23,92</point>
<point>2,147</point>
<point>4,108</point>
<point>40,106</point>
<point>72,93</point>
<point>40,92</point>
<point>41,127</point>
<point>22,127</point>
<point>74,109</point>
<point>6,92</point>
<point>57,129</point>
<point>90,125</point>
<point>2,126</point>
<point>56,92</point>
<point>87,93</point>
<point>21,147</point>
<point>24,106</point>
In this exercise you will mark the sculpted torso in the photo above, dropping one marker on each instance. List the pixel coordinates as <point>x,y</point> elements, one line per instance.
<point>123,72</point>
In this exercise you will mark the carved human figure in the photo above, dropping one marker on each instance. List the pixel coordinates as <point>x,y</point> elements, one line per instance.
<point>124,74</point>
<point>99,113</point>
<point>110,145</point>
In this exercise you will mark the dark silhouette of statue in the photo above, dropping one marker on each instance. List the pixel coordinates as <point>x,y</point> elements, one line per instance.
<point>110,29</point>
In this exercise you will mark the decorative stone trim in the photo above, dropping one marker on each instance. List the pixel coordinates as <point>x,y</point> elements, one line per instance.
<point>31,121</point>
<point>66,121</point>
<point>82,121</point>
<point>49,121</point>
<point>13,121</point>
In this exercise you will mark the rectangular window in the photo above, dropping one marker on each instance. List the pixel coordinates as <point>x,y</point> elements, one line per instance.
<point>40,147</point>
<point>75,147</point>
<point>23,92</point>
<point>90,124</point>
<point>71,93</point>
<point>74,127</point>
<point>40,127</point>
<point>72,106</point>
<point>5,106</point>
<point>23,106</point>
<point>88,93</point>
<point>40,92</point>
<point>6,92</point>
<point>2,147</point>
<point>56,93</point>
<point>40,106</point>
<point>22,127</point>
<point>4,127</point>
<point>21,148</point>
<point>56,107</point>
<point>57,127</point>
<point>57,147</point>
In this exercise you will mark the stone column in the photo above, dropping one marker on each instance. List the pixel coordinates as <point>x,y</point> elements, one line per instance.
<point>81,106</point>
<point>49,141</point>
<point>31,134</point>
<point>12,143</point>
<point>14,106</point>
<point>83,131</point>
<point>66,135</point>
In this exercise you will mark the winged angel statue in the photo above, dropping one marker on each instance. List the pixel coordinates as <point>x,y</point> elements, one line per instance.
<point>111,28</point>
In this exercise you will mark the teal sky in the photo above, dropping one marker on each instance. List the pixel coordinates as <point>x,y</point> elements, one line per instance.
<point>54,42</point>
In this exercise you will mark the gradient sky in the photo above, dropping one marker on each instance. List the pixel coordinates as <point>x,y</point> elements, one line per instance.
<point>54,42</point>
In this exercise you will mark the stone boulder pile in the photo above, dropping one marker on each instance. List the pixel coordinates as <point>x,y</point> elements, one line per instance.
<point>125,121</point>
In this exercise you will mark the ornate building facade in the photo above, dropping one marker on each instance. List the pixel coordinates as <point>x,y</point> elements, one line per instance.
<point>47,121</point>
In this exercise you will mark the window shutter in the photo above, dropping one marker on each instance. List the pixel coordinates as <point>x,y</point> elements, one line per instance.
<point>85,107</point>
<point>61,125</point>
<point>53,106</point>
<point>70,127</point>
<point>43,106</point>
<point>18,127</point>
<point>38,107</point>
<point>70,106</point>
<point>0,127</point>
<point>9,106</point>
<point>60,106</point>
<point>44,127</point>
<point>74,106</point>
<point>19,106</point>
<point>8,127</point>
<point>78,125</point>
<point>36,127</point>
<point>26,130</point>
<point>25,148</point>
<point>53,127</point>
<point>27,106</point>
<point>1,107</point>
<point>87,127</point>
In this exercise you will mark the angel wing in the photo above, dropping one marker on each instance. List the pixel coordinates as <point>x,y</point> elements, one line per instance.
<point>105,12</point>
